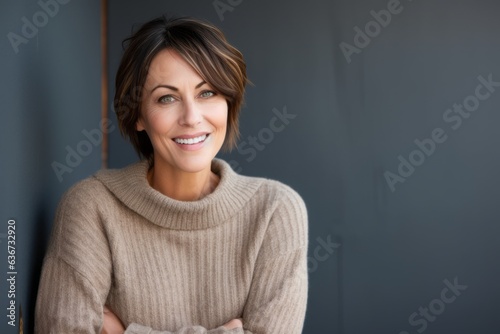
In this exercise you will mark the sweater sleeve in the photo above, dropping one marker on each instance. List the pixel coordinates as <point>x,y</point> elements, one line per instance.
<point>278,295</point>
<point>76,273</point>
<point>67,302</point>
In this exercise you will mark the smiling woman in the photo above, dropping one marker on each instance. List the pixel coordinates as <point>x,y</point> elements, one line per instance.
<point>178,242</point>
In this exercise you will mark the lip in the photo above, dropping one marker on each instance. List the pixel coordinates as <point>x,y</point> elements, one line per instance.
<point>193,135</point>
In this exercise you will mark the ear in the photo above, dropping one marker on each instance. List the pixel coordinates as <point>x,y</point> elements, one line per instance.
<point>139,125</point>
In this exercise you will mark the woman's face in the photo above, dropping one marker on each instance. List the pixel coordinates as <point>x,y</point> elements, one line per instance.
<point>183,116</point>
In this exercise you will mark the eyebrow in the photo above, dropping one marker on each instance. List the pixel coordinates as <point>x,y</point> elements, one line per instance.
<point>175,88</point>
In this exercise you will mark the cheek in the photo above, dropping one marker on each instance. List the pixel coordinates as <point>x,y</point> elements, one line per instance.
<point>160,122</point>
<point>218,117</point>
<point>222,119</point>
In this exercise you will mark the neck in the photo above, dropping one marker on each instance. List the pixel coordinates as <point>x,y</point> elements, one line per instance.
<point>180,185</point>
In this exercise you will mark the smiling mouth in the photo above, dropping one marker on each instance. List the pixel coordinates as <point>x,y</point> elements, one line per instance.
<point>191,141</point>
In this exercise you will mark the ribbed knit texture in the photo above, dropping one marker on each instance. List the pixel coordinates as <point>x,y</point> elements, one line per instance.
<point>168,266</point>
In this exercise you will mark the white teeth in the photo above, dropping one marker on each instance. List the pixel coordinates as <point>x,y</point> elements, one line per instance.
<point>190,141</point>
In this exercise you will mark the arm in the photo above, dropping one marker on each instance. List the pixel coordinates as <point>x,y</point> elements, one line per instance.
<point>278,296</point>
<point>113,325</point>
<point>67,302</point>
<point>76,274</point>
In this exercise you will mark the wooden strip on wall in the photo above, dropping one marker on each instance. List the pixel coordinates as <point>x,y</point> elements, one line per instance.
<point>104,80</point>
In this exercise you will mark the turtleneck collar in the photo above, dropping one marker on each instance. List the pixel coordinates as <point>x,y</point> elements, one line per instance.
<point>131,187</point>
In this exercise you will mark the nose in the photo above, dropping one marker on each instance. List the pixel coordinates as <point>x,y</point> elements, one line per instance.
<point>191,114</point>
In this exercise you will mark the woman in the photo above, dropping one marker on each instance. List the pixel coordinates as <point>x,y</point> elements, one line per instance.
<point>177,243</point>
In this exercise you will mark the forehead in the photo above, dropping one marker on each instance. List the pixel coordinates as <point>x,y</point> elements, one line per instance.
<point>168,67</point>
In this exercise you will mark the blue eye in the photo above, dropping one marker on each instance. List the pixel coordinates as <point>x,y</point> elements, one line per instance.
<point>166,99</point>
<point>207,94</point>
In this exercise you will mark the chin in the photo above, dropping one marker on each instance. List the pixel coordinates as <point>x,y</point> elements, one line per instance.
<point>193,164</point>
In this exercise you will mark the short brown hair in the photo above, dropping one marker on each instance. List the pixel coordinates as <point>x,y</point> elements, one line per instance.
<point>201,45</point>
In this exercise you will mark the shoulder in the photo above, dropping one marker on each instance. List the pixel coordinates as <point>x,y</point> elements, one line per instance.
<point>77,222</point>
<point>84,204</point>
<point>84,194</point>
<point>81,206</point>
<point>287,219</point>
<point>283,197</point>
<point>99,188</point>
<point>282,193</point>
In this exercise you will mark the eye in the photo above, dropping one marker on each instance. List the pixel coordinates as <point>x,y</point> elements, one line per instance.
<point>166,99</point>
<point>207,93</point>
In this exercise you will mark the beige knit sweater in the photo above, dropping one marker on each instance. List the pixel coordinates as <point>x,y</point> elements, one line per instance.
<point>168,266</point>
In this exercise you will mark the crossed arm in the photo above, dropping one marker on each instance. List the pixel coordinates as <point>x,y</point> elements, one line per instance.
<point>73,290</point>
<point>113,325</point>
<point>71,304</point>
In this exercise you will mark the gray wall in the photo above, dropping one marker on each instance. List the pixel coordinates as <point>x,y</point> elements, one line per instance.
<point>379,254</point>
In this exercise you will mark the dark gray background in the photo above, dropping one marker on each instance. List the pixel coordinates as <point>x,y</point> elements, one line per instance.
<point>393,250</point>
